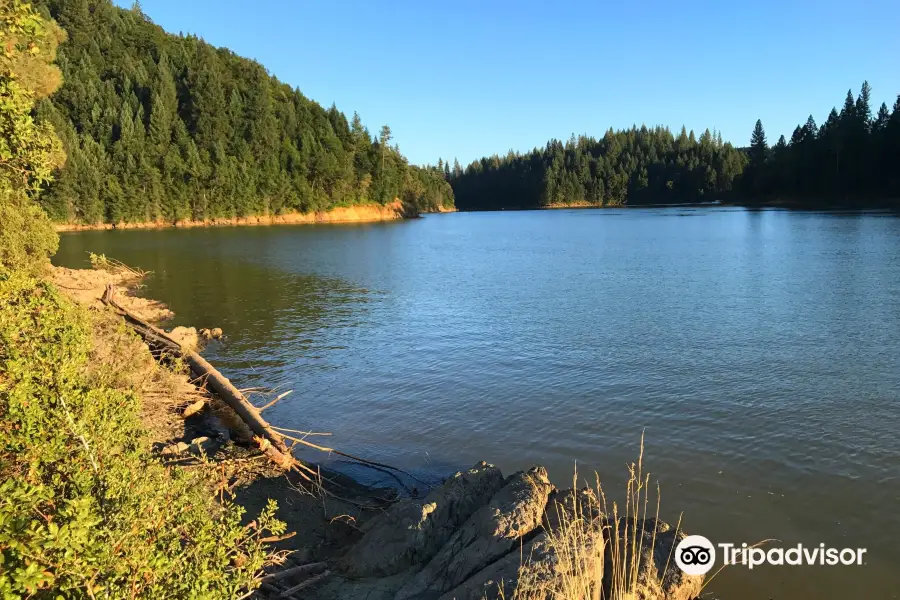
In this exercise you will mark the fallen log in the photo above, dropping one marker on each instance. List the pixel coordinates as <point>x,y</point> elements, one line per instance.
<point>275,449</point>
<point>236,400</point>
<point>270,442</point>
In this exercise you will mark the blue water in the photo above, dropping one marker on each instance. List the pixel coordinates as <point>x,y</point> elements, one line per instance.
<point>759,352</point>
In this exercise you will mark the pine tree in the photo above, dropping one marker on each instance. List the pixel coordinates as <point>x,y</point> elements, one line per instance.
<point>810,130</point>
<point>863,111</point>
<point>759,149</point>
<point>882,119</point>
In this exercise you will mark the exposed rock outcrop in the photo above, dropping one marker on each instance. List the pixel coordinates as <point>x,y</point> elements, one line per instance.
<point>491,533</point>
<point>571,517</point>
<point>480,537</point>
<point>499,579</point>
<point>412,531</point>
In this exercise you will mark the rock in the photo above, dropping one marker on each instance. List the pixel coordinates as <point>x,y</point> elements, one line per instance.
<point>178,448</point>
<point>572,519</point>
<point>568,505</point>
<point>341,588</point>
<point>499,579</point>
<point>186,336</point>
<point>654,580</point>
<point>519,533</point>
<point>211,334</point>
<point>492,532</point>
<point>194,408</point>
<point>412,531</point>
<point>201,445</point>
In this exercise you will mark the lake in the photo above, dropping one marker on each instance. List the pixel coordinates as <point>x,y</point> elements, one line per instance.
<point>759,351</point>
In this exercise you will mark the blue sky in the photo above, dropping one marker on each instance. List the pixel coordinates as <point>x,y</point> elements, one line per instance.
<point>467,79</point>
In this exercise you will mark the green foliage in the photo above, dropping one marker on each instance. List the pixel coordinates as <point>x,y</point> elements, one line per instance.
<point>85,510</point>
<point>637,166</point>
<point>27,237</point>
<point>29,150</point>
<point>160,127</point>
<point>852,157</point>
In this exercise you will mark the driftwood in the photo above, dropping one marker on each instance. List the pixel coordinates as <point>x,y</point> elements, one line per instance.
<point>270,441</point>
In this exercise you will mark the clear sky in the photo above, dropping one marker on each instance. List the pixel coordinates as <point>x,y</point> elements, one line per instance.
<point>471,78</point>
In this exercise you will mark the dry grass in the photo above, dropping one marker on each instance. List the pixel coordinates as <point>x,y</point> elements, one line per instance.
<point>598,545</point>
<point>120,360</point>
<point>101,262</point>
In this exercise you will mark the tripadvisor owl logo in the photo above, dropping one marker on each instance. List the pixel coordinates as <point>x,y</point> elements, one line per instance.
<point>695,555</point>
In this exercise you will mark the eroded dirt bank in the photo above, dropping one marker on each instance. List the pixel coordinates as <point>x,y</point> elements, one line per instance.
<point>363,213</point>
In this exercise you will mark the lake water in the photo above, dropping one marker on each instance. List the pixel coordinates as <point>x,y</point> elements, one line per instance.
<point>758,350</point>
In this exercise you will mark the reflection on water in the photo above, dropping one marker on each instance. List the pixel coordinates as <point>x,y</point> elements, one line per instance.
<point>759,350</point>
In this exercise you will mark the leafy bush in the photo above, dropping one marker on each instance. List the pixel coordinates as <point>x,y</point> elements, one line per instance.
<point>29,150</point>
<point>27,237</point>
<point>85,509</point>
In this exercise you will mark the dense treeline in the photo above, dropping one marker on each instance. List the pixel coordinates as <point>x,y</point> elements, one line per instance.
<point>165,127</point>
<point>637,166</point>
<point>853,157</point>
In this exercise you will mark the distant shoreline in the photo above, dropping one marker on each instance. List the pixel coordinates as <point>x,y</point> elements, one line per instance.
<point>362,213</point>
<point>373,213</point>
<point>773,203</point>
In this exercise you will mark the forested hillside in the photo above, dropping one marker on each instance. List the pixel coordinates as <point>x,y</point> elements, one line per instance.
<point>854,157</point>
<point>637,166</point>
<point>164,127</point>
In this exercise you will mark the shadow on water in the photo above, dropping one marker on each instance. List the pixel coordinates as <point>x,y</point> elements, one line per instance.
<point>272,318</point>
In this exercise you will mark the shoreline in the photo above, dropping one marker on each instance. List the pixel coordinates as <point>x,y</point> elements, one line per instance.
<point>378,543</point>
<point>360,213</point>
<point>787,204</point>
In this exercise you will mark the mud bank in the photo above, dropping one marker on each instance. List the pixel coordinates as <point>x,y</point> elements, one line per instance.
<point>363,213</point>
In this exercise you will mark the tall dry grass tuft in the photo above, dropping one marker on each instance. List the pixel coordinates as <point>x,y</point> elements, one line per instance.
<point>598,545</point>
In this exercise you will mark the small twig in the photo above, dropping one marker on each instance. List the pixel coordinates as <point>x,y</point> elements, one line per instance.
<point>80,289</point>
<point>356,458</point>
<point>302,586</point>
<point>304,433</point>
<point>272,403</point>
<point>277,538</point>
<point>292,572</point>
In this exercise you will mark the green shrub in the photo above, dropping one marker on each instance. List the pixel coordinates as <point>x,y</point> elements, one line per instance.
<point>27,238</point>
<point>29,149</point>
<point>86,511</point>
